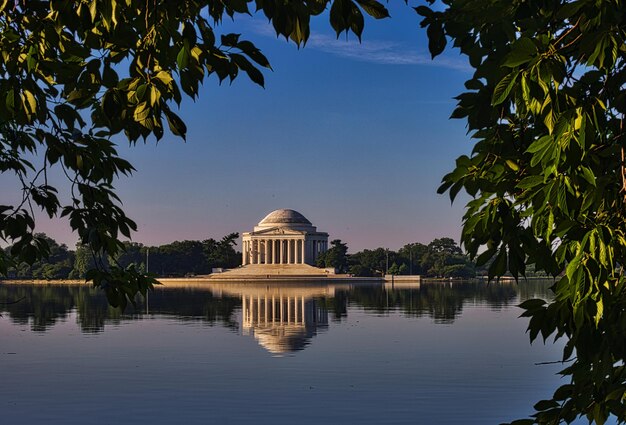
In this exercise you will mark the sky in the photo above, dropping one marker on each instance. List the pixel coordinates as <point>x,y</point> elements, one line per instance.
<point>355,136</point>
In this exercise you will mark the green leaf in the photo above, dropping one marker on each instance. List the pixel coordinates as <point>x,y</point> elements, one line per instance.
<point>546,404</point>
<point>499,266</point>
<point>142,111</point>
<point>532,304</point>
<point>424,11</point>
<point>588,175</point>
<point>254,74</point>
<point>177,126</point>
<point>93,9</point>
<point>436,39</point>
<point>182,59</point>
<point>230,40</point>
<point>522,51</point>
<point>503,88</point>
<point>374,8</point>
<point>540,145</point>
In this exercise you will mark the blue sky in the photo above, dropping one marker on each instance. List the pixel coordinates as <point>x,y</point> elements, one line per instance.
<point>354,136</point>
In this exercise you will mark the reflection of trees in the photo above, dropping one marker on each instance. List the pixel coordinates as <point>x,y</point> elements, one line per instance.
<point>191,304</point>
<point>43,305</point>
<point>442,301</point>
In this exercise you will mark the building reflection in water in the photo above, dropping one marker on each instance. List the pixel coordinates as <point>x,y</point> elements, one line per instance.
<point>283,317</point>
<point>282,320</point>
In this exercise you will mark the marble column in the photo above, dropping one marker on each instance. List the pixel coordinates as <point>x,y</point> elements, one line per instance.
<point>281,260</point>
<point>298,251</point>
<point>274,251</point>
<point>267,251</point>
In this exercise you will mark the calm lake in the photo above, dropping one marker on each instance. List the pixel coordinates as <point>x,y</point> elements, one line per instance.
<point>434,353</point>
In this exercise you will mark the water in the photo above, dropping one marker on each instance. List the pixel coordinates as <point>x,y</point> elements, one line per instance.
<point>220,354</point>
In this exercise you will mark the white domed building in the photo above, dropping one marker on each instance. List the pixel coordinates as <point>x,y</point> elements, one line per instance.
<point>283,237</point>
<point>283,244</point>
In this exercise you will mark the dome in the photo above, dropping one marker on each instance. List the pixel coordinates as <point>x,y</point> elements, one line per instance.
<point>284,216</point>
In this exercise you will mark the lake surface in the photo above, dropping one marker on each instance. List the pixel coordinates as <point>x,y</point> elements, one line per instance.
<point>436,353</point>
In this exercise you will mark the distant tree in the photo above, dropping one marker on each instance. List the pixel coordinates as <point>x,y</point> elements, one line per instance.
<point>359,270</point>
<point>56,264</point>
<point>132,253</point>
<point>396,269</point>
<point>222,253</point>
<point>445,245</point>
<point>336,256</point>
<point>440,255</point>
<point>83,262</point>
<point>463,270</point>
<point>374,261</point>
<point>179,258</point>
<point>411,255</point>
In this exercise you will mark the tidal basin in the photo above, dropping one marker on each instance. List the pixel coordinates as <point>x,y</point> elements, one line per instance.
<point>229,353</point>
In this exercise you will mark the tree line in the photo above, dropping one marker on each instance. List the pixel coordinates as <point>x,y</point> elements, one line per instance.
<point>176,259</point>
<point>440,258</point>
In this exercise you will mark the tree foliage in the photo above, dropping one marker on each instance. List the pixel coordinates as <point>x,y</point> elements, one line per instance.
<point>179,258</point>
<point>440,258</point>
<point>73,74</point>
<point>545,107</point>
<point>336,256</point>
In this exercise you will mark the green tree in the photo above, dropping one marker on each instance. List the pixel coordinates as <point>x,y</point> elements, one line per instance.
<point>75,73</point>
<point>547,174</point>
<point>56,264</point>
<point>222,253</point>
<point>369,262</point>
<point>411,255</point>
<point>83,262</point>
<point>336,256</point>
<point>444,258</point>
<point>132,253</point>
<point>179,258</point>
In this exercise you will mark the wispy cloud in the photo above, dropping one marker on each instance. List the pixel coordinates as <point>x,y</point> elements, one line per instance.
<point>379,51</point>
<point>374,51</point>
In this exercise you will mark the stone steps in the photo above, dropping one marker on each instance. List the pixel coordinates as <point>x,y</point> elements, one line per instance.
<point>273,271</point>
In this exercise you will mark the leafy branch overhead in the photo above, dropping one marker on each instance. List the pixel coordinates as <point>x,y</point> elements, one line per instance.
<point>73,74</point>
<point>547,174</point>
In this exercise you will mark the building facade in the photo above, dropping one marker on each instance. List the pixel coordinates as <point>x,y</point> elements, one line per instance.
<point>283,237</point>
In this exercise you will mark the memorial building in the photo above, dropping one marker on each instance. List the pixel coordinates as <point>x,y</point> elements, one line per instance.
<point>283,244</point>
<point>283,237</point>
